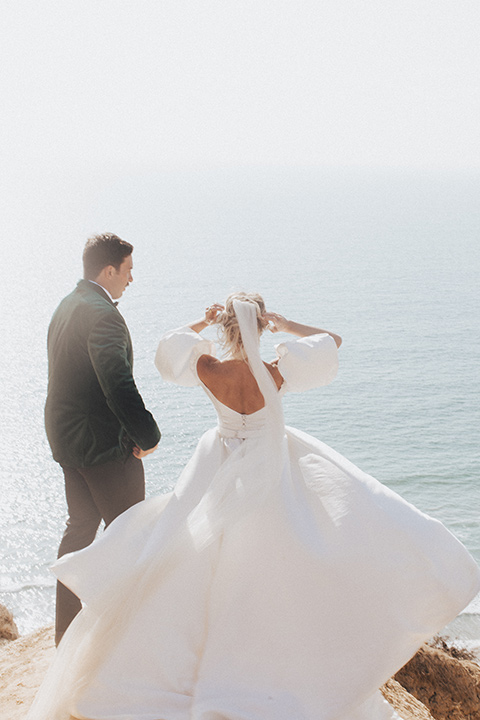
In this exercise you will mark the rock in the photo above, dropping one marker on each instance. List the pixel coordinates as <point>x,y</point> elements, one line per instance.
<point>407,706</point>
<point>23,664</point>
<point>449,687</point>
<point>8,629</point>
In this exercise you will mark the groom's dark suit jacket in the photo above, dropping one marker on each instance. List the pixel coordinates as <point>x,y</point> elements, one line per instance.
<point>94,412</point>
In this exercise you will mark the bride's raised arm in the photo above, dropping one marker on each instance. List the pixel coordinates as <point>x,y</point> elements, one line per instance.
<point>211,313</point>
<point>277,323</point>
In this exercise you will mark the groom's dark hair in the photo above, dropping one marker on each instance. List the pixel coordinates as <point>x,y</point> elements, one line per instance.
<point>102,250</point>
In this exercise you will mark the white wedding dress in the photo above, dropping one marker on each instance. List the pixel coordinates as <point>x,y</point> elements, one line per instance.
<point>277,582</point>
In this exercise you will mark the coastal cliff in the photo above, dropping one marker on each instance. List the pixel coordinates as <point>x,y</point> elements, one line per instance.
<point>437,682</point>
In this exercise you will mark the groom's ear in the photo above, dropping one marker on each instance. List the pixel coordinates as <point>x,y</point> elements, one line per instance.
<point>106,273</point>
<point>110,271</point>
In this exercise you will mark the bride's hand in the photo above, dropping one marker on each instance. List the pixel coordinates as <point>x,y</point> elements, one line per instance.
<point>212,312</point>
<point>210,317</point>
<point>275,322</point>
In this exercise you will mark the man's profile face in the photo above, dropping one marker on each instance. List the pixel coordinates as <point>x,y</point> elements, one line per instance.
<point>121,278</point>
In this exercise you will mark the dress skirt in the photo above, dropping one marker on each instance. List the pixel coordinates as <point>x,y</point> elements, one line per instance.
<point>299,607</point>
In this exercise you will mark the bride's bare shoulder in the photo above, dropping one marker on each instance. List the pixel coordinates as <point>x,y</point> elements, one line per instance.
<point>209,366</point>
<point>206,365</point>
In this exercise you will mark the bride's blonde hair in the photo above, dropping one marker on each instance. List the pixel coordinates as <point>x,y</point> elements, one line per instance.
<point>228,328</point>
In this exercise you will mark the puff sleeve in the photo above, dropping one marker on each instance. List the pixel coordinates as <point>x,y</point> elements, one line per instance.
<point>307,362</point>
<point>177,355</point>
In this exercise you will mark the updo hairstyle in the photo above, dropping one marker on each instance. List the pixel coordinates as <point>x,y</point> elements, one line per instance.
<point>228,328</point>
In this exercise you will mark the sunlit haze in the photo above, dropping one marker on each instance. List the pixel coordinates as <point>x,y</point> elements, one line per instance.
<point>272,82</point>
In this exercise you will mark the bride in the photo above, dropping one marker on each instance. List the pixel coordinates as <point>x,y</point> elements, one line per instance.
<point>277,582</point>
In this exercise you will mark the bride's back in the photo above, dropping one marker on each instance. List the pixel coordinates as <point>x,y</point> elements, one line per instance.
<point>232,383</point>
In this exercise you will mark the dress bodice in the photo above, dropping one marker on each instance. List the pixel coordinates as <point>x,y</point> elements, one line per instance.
<point>232,424</point>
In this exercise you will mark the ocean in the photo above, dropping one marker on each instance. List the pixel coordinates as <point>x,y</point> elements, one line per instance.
<point>388,260</point>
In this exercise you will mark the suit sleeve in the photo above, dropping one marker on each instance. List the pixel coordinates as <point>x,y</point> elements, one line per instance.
<point>108,347</point>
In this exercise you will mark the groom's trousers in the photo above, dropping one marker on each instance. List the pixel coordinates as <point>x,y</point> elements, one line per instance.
<point>93,494</point>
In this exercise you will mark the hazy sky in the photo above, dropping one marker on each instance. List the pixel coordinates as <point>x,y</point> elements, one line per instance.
<point>93,83</point>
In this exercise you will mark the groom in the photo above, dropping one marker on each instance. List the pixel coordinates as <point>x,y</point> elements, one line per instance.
<point>96,422</point>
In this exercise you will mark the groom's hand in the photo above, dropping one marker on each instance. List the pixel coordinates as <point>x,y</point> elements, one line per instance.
<point>139,453</point>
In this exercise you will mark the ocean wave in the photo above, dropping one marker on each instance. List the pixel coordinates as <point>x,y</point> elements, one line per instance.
<point>473,608</point>
<point>8,585</point>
